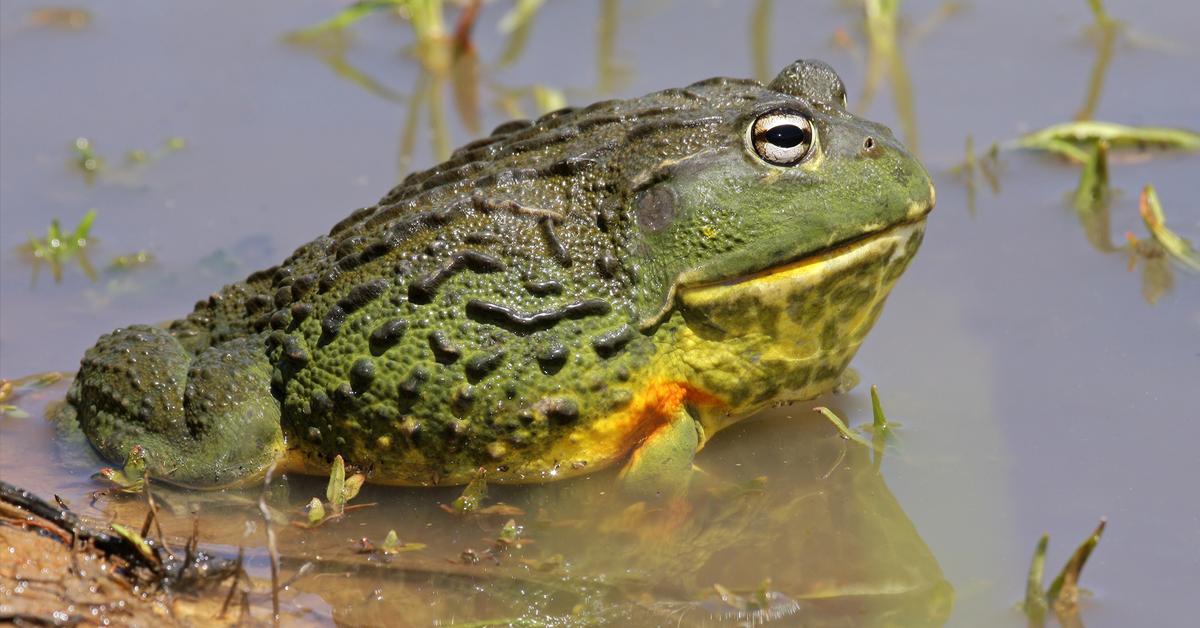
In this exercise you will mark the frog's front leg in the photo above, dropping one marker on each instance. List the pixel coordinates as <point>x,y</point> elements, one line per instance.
<point>205,420</point>
<point>661,466</point>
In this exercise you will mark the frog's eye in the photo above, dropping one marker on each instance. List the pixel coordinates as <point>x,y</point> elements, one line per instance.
<point>782,138</point>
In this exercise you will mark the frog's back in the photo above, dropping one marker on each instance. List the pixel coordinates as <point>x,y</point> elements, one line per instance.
<point>481,311</point>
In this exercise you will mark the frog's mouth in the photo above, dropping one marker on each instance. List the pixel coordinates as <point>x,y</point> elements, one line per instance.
<point>889,245</point>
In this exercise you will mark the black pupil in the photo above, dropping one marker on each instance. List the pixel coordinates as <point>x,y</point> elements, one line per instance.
<point>786,135</point>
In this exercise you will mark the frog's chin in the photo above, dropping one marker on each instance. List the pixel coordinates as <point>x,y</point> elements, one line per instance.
<point>787,332</point>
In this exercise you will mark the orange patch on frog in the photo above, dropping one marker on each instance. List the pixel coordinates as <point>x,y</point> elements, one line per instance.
<point>655,407</point>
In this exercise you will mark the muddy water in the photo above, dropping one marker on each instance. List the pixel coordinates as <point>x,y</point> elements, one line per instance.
<point>1039,383</point>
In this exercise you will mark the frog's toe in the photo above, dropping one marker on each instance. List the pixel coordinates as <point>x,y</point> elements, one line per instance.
<point>205,420</point>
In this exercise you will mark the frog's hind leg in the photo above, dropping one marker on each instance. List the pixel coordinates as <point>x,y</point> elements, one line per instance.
<point>661,466</point>
<point>205,420</point>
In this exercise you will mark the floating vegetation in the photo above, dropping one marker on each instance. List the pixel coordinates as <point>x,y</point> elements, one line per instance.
<point>881,430</point>
<point>129,479</point>
<point>391,545</point>
<point>472,496</point>
<point>355,12</point>
<point>1157,279</point>
<point>470,502</point>
<point>63,18</point>
<point>342,489</point>
<point>86,158</point>
<point>838,423</point>
<point>13,389</point>
<point>988,166</point>
<point>511,538</point>
<point>141,156</point>
<point>1093,191</point>
<point>1073,139</point>
<point>1152,214</point>
<point>1063,595</point>
<point>131,261</point>
<point>60,247</point>
<point>91,164</point>
<point>1156,252</point>
<point>338,492</point>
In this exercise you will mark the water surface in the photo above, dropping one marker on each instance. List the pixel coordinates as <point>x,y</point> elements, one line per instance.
<point>1039,382</point>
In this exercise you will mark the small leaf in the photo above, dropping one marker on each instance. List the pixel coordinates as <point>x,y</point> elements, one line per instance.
<point>472,496</point>
<point>391,542</point>
<point>346,17</point>
<point>519,15</point>
<point>13,411</point>
<point>510,533</point>
<point>316,511</point>
<point>1035,598</point>
<point>84,228</point>
<point>500,510</point>
<point>135,464</point>
<point>1065,588</point>
<point>1156,222</point>
<point>352,486</point>
<point>880,420</point>
<point>335,491</point>
<point>841,426</point>
<point>143,547</point>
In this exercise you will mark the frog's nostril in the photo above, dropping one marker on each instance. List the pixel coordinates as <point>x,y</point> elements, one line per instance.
<point>869,143</point>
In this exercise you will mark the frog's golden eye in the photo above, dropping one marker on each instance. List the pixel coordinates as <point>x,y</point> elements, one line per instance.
<point>782,138</point>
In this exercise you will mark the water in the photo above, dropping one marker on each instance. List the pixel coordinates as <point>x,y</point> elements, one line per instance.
<point>1037,386</point>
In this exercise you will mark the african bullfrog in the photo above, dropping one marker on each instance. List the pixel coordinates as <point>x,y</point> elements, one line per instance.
<point>606,285</point>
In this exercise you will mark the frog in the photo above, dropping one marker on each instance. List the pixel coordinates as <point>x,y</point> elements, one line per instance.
<point>605,286</point>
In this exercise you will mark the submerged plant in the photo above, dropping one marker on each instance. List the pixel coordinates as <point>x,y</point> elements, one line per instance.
<point>12,389</point>
<point>881,430</point>
<point>1175,245</point>
<point>61,246</point>
<point>470,502</point>
<point>1063,595</point>
<point>1093,191</point>
<point>391,545</point>
<point>132,477</point>
<point>338,491</point>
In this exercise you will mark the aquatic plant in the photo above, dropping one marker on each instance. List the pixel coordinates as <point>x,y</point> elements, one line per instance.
<point>1063,594</point>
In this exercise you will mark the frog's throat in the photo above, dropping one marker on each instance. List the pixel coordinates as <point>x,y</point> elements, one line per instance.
<point>787,333</point>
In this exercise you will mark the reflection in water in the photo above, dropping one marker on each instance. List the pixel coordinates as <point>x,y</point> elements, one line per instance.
<point>885,59</point>
<point>760,40</point>
<point>790,519</point>
<point>987,166</point>
<point>452,60</point>
<point>1105,36</point>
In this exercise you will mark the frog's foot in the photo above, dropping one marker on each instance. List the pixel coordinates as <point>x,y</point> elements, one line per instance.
<point>661,466</point>
<point>205,420</point>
